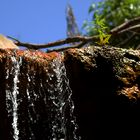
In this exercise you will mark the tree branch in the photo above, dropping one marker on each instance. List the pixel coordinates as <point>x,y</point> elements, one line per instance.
<point>82,40</point>
<point>132,28</point>
<point>125,25</point>
<point>67,47</point>
<point>75,39</point>
<point>126,40</point>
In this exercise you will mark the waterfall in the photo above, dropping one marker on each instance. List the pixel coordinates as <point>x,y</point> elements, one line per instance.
<point>12,95</point>
<point>39,101</point>
<point>60,95</point>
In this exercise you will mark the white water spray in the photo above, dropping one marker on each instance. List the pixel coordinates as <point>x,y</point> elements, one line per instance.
<point>60,95</point>
<point>44,108</point>
<point>11,96</point>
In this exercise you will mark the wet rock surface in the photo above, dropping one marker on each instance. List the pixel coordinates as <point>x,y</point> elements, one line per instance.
<point>105,86</point>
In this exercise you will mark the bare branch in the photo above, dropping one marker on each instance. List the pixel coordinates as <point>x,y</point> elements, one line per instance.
<point>82,39</point>
<point>67,47</point>
<point>125,25</point>
<point>126,40</point>
<point>132,28</point>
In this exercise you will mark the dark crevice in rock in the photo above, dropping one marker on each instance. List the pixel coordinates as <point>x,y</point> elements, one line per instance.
<point>4,122</point>
<point>132,56</point>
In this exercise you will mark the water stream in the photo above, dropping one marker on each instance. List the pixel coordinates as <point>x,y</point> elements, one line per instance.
<point>39,103</point>
<point>12,96</point>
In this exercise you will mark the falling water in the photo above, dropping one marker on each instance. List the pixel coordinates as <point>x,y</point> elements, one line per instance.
<point>60,95</point>
<point>12,95</point>
<point>39,102</point>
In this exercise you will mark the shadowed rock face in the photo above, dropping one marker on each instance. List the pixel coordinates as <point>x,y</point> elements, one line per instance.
<point>105,90</point>
<point>106,93</point>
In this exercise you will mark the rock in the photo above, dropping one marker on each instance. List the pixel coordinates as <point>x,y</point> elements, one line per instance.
<point>105,84</point>
<point>106,91</point>
<point>6,43</point>
<point>124,65</point>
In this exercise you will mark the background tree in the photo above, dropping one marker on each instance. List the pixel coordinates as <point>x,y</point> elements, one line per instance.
<point>72,27</point>
<point>114,13</point>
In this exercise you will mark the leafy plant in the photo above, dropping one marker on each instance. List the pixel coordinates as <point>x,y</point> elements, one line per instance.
<point>100,28</point>
<point>114,13</point>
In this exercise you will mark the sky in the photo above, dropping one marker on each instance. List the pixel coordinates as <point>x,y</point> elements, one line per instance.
<point>39,21</point>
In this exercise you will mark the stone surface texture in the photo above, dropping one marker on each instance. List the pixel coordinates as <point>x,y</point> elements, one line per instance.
<point>105,84</point>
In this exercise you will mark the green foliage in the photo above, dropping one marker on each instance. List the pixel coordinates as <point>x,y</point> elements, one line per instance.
<point>114,13</point>
<point>100,28</point>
